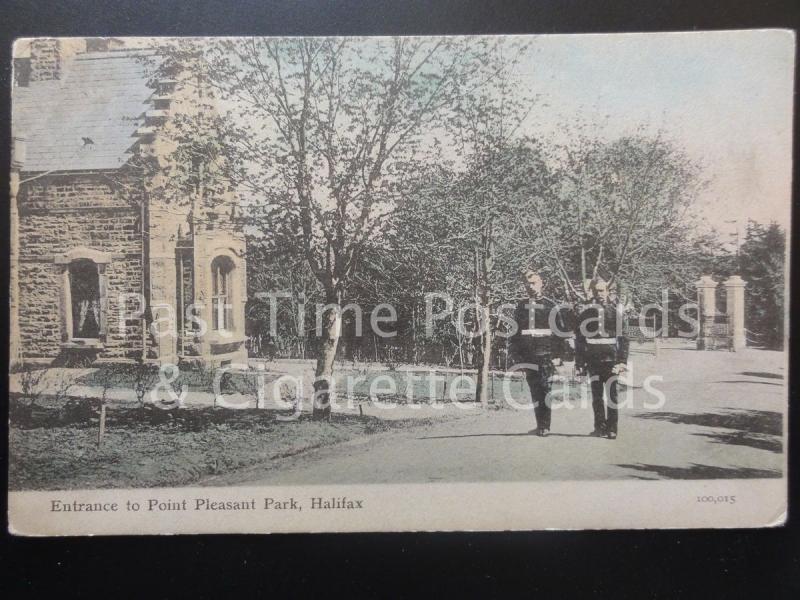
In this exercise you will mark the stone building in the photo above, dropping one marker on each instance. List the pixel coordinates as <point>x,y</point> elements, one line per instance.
<point>103,266</point>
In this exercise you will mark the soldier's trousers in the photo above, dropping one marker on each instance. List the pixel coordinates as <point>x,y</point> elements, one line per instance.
<point>539,384</point>
<point>604,380</point>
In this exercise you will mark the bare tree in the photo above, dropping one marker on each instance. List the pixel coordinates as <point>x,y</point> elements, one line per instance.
<point>467,222</point>
<point>498,171</point>
<point>141,377</point>
<point>284,315</point>
<point>37,383</point>
<point>30,382</point>
<point>316,133</point>
<point>621,209</point>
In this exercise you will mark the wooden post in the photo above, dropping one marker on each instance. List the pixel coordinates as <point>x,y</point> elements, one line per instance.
<point>102,424</point>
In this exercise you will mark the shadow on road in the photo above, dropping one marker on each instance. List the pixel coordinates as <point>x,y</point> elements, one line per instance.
<point>696,471</point>
<point>763,374</point>
<point>474,435</point>
<point>743,438</point>
<point>760,429</point>
<point>748,381</point>
<point>749,421</point>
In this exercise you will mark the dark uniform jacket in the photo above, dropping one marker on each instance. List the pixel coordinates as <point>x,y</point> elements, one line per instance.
<point>600,344</point>
<point>536,339</point>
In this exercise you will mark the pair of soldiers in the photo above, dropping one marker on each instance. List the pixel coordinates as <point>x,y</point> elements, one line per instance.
<point>542,340</point>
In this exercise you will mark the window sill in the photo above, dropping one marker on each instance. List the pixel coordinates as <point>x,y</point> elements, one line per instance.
<point>226,347</point>
<point>93,344</point>
<point>223,336</point>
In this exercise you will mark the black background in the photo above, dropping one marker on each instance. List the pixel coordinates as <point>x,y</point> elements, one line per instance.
<point>733,563</point>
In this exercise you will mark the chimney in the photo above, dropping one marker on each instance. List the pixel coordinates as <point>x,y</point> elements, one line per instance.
<point>22,71</point>
<point>97,44</point>
<point>45,59</point>
<point>103,44</point>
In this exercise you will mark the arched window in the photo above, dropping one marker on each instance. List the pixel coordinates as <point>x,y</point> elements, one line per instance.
<point>84,285</point>
<point>83,294</point>
<point>221,294</point>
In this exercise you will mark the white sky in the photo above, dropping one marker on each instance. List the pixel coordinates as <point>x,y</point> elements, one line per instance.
<point>726,97</point>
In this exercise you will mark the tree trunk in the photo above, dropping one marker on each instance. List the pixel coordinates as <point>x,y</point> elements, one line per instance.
<point>482,387</point>
<point>483,269</point>
<point>414,349</point>
<point>323,380</point>
<point>584,289</point>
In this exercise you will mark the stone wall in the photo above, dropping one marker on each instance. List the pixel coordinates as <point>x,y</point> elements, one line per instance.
<point>57,215</point>
<point>185,266</point>
<point>166,224</point>
<point>211,242</point>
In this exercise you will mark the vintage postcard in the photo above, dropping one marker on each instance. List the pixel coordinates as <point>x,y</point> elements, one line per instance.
<point>388,284</point>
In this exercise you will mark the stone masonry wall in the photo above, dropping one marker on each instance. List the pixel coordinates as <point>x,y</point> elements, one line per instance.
<point>57,215</point>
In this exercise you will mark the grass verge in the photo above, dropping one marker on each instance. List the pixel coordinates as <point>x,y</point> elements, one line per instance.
<point>155,448</point>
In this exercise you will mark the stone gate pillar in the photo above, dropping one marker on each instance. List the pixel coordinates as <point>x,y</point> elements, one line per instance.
<point>707,309</point>
<point>734,288</point>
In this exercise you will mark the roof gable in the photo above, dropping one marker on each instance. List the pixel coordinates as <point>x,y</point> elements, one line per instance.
<point>85,120</point>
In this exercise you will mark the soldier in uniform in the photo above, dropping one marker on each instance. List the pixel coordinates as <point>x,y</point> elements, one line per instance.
<point>601,349</point>
<point>540,343</point>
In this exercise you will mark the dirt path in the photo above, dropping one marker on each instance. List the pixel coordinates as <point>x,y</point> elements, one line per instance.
<point>723,417</point>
